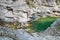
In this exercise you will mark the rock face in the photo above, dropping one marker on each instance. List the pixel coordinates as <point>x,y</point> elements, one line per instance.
<point>11,11</point>
<point>49,2</point>
<point>20,34</point>
<point>5,38</point>
<point>53,29</point>
<point>22,11</point>
<point>7,34</point>
<point>19,10</point>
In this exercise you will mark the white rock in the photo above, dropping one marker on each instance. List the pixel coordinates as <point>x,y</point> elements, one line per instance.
<point>9,14</point>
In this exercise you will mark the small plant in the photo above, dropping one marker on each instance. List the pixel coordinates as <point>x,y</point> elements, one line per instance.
<point>30,3</point>
<point>2,23</point>
<point>33,5</point>
<point>58,2</point>
<point>13,25</point>
<point>41,24</point>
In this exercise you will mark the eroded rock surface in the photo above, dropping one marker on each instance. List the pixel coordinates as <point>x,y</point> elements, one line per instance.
<point>7,34</point>
<point>54,29</point>
<point>22,11</point>
<point>19,10</point>
<point>20,34</point>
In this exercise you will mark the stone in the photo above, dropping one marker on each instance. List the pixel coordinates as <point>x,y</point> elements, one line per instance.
<point>5,38</point>
<point>7,34</point>
<point>53,29</point>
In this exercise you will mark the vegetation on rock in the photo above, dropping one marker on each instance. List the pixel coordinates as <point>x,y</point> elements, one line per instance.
<point>41,24</point>
<point>30,3</point>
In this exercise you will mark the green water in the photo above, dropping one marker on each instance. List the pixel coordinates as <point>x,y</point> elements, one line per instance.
<point>41,24</point>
